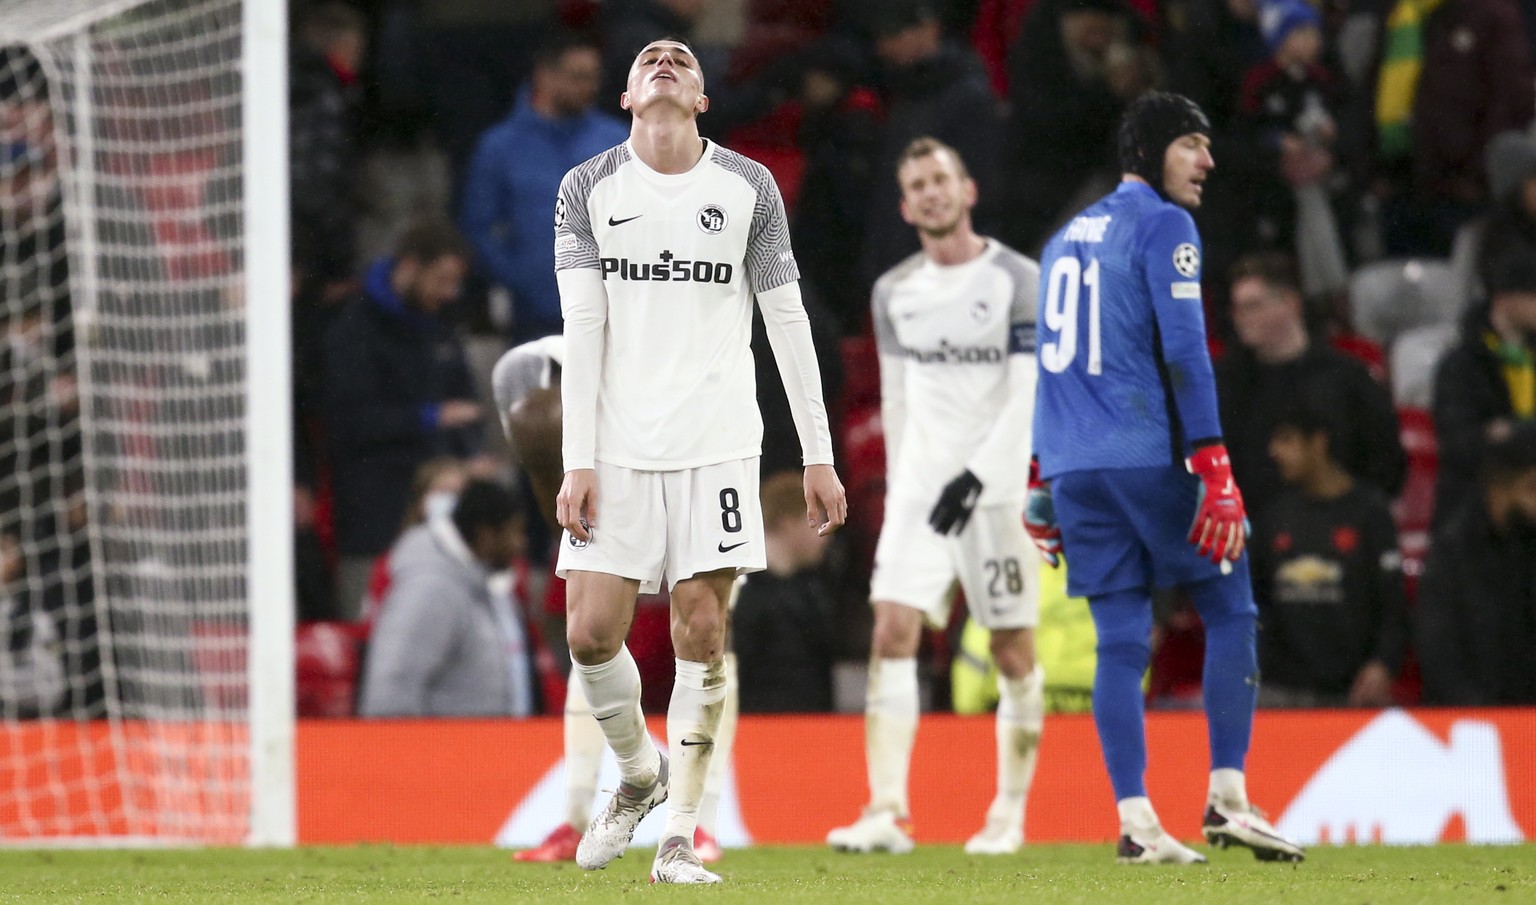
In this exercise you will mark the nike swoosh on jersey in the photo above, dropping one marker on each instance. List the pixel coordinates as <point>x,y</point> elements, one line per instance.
<point>724,549</point>
<point>613,222</point>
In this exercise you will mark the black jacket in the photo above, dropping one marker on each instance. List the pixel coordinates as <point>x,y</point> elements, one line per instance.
<point>785,636</point>
<point>1476,613</point>
<point>386,369</point>
<point>1253,395</point>
<point>1469,393</point>
<point>1328,580</point>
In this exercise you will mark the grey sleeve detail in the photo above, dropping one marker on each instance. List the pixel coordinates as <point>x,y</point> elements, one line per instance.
<point>770,260</point>
<point>575,243</point>
<point>1025,274</point>
<point>886,342</point>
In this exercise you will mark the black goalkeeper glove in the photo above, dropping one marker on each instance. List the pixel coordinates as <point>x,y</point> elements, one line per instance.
<point>953,510</point>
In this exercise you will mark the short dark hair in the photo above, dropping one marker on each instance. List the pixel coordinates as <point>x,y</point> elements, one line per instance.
<point>1273,267</point>
<point>428,240</point>
<point>558,43</point>
<point>1512,457</point>
<point>483,504</point>
<point>1308,419</point>
<point>927,146</point>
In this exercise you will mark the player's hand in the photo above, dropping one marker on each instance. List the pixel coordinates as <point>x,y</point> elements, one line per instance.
<point>1220,531</point>
<point>576,504</point>
<point>826,505</point>
<point>957,500</point>
<point>1040,522</point>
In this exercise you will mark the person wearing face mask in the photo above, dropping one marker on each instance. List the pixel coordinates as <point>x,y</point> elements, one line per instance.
<point>434,491</point>
<point>1476,613</point>
<point>1486,384</point>
<point>449,641</point>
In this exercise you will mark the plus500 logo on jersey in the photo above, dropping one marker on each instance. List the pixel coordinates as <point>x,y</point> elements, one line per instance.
<point>668,270</point>
<point>947,354</point>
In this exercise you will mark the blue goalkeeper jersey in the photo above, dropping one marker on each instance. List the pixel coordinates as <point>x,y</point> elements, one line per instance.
<point>1125,374</point>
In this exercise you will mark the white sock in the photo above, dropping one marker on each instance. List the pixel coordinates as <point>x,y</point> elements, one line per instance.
<point>584,745</point>
<point>1020,720</point>
<point>1137,814</point>
<point>890,726</point>
<point>720,760</point>
<point>693,717</point>
<point>1229,788</point>
<point>612,689</point>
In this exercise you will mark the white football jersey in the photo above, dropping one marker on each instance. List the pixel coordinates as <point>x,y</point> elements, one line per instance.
<point>681,257</point>
<point>950,331</point>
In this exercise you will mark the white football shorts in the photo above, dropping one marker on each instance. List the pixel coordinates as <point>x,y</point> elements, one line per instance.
<point>672,525</point>
<point>993,559</point>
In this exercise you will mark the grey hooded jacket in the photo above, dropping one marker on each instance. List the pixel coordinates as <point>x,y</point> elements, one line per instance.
<point>436,650</point>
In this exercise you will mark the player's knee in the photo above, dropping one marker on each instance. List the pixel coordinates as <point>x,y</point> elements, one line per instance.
<point>898,631</point>
<point>1013,651</point>
<point>589,645</point>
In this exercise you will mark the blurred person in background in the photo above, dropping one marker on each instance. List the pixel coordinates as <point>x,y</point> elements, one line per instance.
<point>1327,576</point>
<point>450,641</point>
<point>1475,629</point>
<point>927,86</point>
<point>398,391</point>
<point>515,174</point>
<point>324,101</point>
<point>1275,359</point>
<point>434,491</point>
<point>1486,383</point>
<point>784,626</point>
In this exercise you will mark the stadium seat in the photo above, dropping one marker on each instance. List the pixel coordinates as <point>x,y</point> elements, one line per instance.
<point>1415,355</point>
<point>1364,350</point>
<point>1389,298</point>
<point>328,659</point>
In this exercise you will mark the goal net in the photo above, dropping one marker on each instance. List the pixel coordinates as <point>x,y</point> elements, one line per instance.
<point>128,595</point>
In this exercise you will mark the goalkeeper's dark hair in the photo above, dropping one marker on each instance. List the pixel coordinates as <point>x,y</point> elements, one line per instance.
<point>483,504</point>
<point>1511,458</point>
<point>428,240</point>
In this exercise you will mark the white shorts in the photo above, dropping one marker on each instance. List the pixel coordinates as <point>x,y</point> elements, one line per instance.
<point>993,559</point>
<point>671,524</point>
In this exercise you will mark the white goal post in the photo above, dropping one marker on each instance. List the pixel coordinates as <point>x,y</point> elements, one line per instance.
<point>146,496</point>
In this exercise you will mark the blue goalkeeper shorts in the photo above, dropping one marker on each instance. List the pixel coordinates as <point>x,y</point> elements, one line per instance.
<point>1128,528</point>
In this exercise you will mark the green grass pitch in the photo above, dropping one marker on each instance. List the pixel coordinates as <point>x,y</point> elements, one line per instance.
<point>1042,874</point>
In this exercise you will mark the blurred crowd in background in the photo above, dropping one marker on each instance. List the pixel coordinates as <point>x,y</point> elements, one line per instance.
<point>1370,289</point>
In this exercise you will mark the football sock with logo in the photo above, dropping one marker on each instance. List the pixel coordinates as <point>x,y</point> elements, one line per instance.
<point>693,717</point>
<point>1123,620</point>
<point>613,691</point>
<point>1231,678</point>
<point>584,745</point>
<point>890,726</point>
<point>1020,719</point>
<point>720,759</point>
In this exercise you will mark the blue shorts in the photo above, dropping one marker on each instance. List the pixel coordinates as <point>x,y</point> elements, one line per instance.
<point>1128,528</point>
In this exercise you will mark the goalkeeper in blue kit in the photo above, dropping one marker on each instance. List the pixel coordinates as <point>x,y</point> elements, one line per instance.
<point>1137,487</point>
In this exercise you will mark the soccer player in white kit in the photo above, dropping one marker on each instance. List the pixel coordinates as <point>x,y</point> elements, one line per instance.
<point>954,327</point>
<point>660,245</point>
<point>526,384</point>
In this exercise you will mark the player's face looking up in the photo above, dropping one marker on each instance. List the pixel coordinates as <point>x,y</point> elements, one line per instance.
<point>665,73</point>
<point>936,193</point>
<point>1185,165</point>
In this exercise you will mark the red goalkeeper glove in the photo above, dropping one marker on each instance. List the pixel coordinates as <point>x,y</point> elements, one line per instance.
<point>1220,530</point>
<point>1040,519</point>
